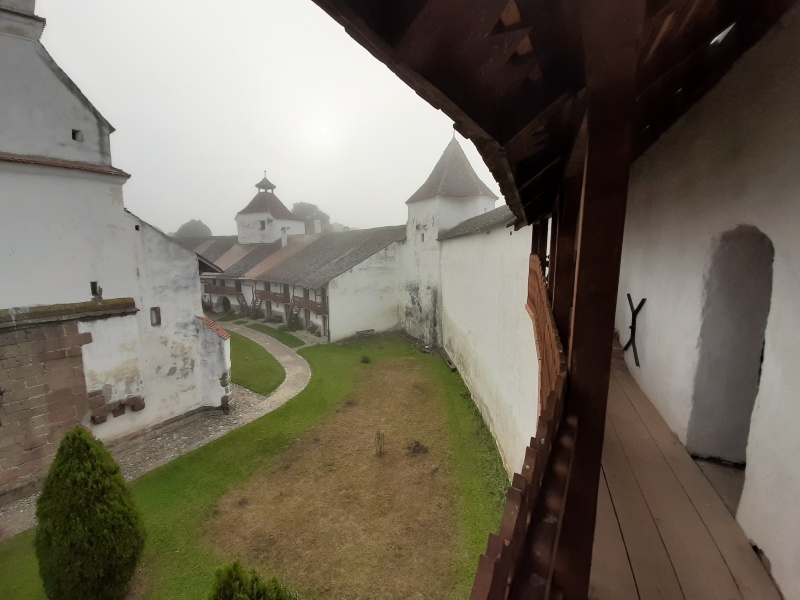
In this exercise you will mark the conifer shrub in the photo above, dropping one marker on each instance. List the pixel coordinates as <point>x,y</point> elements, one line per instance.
<point>90,534</point>
<point>233,582</point>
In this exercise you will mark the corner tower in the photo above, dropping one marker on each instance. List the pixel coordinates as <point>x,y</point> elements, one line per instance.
<point>452,194</point>
<point>265,219</point>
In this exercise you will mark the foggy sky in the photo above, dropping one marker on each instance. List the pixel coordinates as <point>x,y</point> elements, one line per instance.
<point>206,96</point>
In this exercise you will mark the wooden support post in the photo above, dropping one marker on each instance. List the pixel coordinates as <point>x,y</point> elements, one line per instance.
<point>562,284</point>
<point>553,251</point>
<point>610,33</point>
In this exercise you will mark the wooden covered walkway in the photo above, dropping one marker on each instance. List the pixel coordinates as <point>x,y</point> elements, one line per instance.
<point>662,531</point>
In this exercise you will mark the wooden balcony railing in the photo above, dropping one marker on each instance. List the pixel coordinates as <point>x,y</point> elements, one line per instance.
<point>220,289</point>
<point>321,308</point>
<point>273,296</point>
<point>508,569</point>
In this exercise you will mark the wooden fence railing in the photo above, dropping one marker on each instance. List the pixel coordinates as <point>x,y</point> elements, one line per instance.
<point>508,553</point>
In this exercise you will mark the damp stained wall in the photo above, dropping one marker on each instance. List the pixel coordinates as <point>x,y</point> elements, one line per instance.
<point>731,160</point>
<point>489,335</point>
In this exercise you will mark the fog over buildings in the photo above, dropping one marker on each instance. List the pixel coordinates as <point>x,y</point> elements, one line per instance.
<point>206,96</point>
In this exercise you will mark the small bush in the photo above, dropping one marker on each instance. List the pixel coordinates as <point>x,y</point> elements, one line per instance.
<point>90,534</point>
<point>234,583</point>
<point>365,359</point>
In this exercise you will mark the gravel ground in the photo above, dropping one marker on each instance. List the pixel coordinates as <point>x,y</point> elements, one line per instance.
<point>157,448</point>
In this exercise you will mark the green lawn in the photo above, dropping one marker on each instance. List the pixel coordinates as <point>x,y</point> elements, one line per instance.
<point>242,322</point>
<point>253,367</point>
<point>229,317</point>
<point>178,498</point>
<point>287,339</point>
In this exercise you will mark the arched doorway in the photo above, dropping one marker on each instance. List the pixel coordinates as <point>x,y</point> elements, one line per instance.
<point>738,290</point>
<point>223,305</point>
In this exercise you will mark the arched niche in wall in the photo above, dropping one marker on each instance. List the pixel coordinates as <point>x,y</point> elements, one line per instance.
<point>738,291</point>
<point>223,305</point>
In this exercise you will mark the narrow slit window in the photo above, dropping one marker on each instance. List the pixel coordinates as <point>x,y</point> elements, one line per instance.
<point>77,135</point>
<point>95,288</point>
<point>423,237</point>
<point>262,225</point>
<point>155,316</point>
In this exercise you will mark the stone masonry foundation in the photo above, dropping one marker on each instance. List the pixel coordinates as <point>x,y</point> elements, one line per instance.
<point>42,396</point>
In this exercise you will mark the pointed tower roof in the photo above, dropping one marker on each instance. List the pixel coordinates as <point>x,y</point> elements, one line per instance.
<point>452,177</point>
<point>266,201</point>
<point>265,185</point>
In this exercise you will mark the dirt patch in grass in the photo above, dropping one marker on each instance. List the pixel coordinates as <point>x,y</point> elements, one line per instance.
<point>338,521</point>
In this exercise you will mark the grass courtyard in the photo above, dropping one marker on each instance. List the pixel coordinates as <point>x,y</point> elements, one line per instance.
<point>254,368</point>
<point>301,493</point>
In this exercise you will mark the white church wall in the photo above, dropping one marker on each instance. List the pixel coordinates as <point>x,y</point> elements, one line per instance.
<point>366,296</point>
<point>728,162</point>
<point>489,335</point>
<point>111,363</point>
<point>41,110</point>
<point>62,230</point>
<point>171,351</point>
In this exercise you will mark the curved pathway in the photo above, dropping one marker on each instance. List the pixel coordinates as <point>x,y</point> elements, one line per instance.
<point>153,449</point>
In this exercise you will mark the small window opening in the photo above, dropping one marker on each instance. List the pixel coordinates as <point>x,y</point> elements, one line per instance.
<point>423,237</point>
<point>269,221</point>
<point>262,225</point>
<point>136,227</point>
<point>77,135</point>
<point>155,316</point>
<point>96,289</point>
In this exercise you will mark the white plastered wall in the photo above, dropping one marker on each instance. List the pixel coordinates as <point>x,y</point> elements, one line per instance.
<point>61,230</point>
<point>366,296</point>
<point>731,160</point>
<point>489,335</point>
<point>215,361</point>
<point>420,306</point>
<point>248,227</point>
<point>43,106</point>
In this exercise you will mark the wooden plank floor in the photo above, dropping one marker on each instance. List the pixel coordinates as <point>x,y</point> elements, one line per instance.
<point>662,531</point>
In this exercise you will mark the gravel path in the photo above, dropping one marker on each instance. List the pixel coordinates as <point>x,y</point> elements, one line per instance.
<point>157,448</point>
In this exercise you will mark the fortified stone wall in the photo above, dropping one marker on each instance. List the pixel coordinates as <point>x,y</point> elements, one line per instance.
<point>489,335</point>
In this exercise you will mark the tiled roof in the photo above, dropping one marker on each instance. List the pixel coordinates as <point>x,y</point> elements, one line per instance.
<point>501,215</point>
<point>452,177</point>
<point>214,326</point>
<point>211,247</point>
<point>256,254</point>
<point>269,202</point>
<point>331,255</point>
<point>62,164</point>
